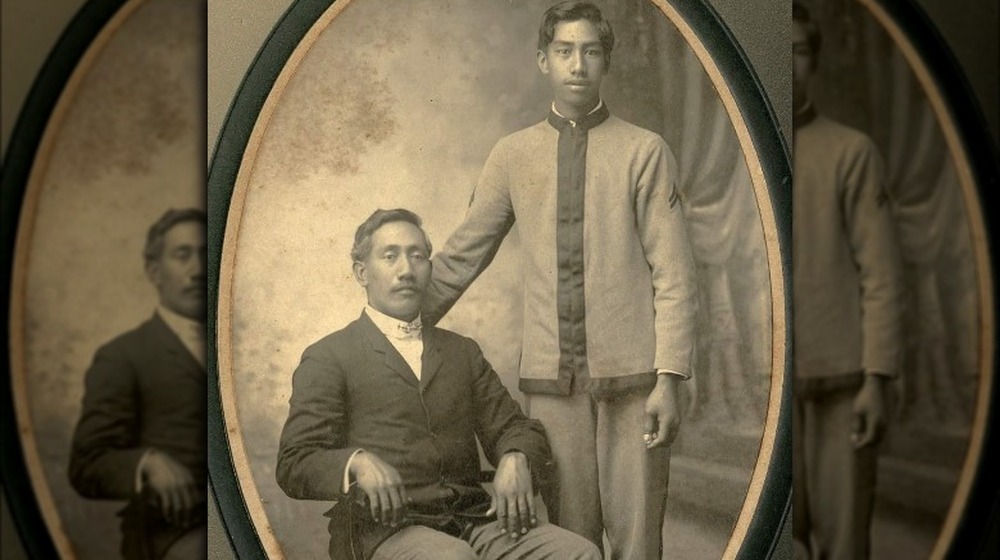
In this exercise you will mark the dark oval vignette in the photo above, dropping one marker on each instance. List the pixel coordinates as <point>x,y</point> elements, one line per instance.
<point>978,526</point>
<point>25,138</point>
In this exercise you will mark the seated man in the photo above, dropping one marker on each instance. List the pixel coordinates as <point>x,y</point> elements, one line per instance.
<point>390,410</point>
<point>141,433</point>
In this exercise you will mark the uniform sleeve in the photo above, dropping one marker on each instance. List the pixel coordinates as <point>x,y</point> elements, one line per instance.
<point>663,234</point>
<point>872,235</point>
<point>472,246</point>
<point>105,450</point>
<point>313,453</point>
<point>501,425</point>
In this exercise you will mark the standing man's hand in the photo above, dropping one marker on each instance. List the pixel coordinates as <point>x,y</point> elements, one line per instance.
<point>381,482</point>
<point>514,499</point>
<point>173,487</point>
<point>662,414</point>
<point>870,412</point>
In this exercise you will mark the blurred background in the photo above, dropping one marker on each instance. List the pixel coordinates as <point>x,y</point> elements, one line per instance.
<point>238,27</point>
<point>864,82</point>
<point>128,148</point>
<point>400,108</point>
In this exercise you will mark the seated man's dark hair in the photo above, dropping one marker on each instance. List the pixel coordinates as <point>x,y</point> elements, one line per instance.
<point>154,238</point>
<point>801,15</point>
<point>363,236</point>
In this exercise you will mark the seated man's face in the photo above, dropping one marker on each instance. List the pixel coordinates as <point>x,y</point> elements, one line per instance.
<point>396,271</point>
<point>179,272</point>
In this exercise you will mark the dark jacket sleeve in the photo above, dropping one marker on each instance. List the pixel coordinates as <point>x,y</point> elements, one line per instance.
<point>105,451</point>
<point>313,451</point>
<point>501,425</point>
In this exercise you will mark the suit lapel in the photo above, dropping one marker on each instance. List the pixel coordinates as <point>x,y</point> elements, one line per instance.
<point>385,351</point>
<point>431,360</point>
<point>168,340</point>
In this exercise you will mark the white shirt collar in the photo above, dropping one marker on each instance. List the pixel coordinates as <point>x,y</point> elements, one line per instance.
<point>600,103</point>
<point>183,326</point>
<point>389,326</point>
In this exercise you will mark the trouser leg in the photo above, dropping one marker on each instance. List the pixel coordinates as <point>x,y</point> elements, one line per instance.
<point>570,424</point>
<point>423,543</point>
<point>800,495</point>
<point>840,478</point>
<point>633,479</point>
<point>544,542</point>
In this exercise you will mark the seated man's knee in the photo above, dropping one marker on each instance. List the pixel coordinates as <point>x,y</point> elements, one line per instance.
<point>455,550</point>
<point>580,548</point>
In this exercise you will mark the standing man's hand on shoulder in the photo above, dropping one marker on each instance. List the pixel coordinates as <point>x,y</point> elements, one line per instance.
<point>173,486</point>
<point>514,499</point>
<point>870,411</point>
<point>381,482</point>
<point>662,415</point>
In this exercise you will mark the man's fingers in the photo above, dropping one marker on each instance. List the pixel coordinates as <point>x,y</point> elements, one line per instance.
<point>532,512</point>
<point>385,506</point>
<point>649,428</point>
<point>493,506</point>
<point>513,520</point>
<point>524,515</point>
<point>397,505</point>
<point>501,509</point>
<point>373,505</point>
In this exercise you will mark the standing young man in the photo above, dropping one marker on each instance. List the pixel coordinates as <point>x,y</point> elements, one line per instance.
<point>609,299</point>
<point>846,269</point>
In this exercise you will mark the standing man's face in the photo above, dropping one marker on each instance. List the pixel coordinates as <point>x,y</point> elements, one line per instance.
<point>575,64</point>
<point>396,270</point>
<point>802,65</point>
<point>179,272</point>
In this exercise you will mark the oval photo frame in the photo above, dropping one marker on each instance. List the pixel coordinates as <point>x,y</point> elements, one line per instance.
<point>86,173</point>
<point>965,531</point>
<point>258,110</point>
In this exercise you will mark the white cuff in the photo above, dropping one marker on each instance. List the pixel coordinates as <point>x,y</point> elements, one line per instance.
<point>346,485</point>
<point>138,469</point>
<point>683,376</point>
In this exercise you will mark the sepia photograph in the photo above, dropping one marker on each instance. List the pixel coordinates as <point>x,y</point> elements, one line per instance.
<point>502,277</point>
<point>108,296</point>
<point>893,300</point>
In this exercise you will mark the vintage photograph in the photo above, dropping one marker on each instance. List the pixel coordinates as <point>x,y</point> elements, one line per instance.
<point>891,293</point>
<point>108,300</point>
<point>527,244</point>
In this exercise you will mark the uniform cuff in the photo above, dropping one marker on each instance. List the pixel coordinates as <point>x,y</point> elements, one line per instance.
<point>683,376</point>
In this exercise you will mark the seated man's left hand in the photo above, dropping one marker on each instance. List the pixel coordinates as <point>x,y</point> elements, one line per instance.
<point>514,500</point>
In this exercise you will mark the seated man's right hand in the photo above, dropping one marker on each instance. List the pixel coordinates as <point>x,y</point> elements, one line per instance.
<point>383,486</point>
<point>174,488</point>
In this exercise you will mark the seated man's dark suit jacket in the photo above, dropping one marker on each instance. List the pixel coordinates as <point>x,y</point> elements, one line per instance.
<point>144,389</point>
<point>353,390</point>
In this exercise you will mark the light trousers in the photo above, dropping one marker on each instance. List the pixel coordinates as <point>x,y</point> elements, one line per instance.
<point>607,479</point>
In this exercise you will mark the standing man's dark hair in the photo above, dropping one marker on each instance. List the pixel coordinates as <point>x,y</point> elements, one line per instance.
<point>814,37</point>
<point>574,11</point>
